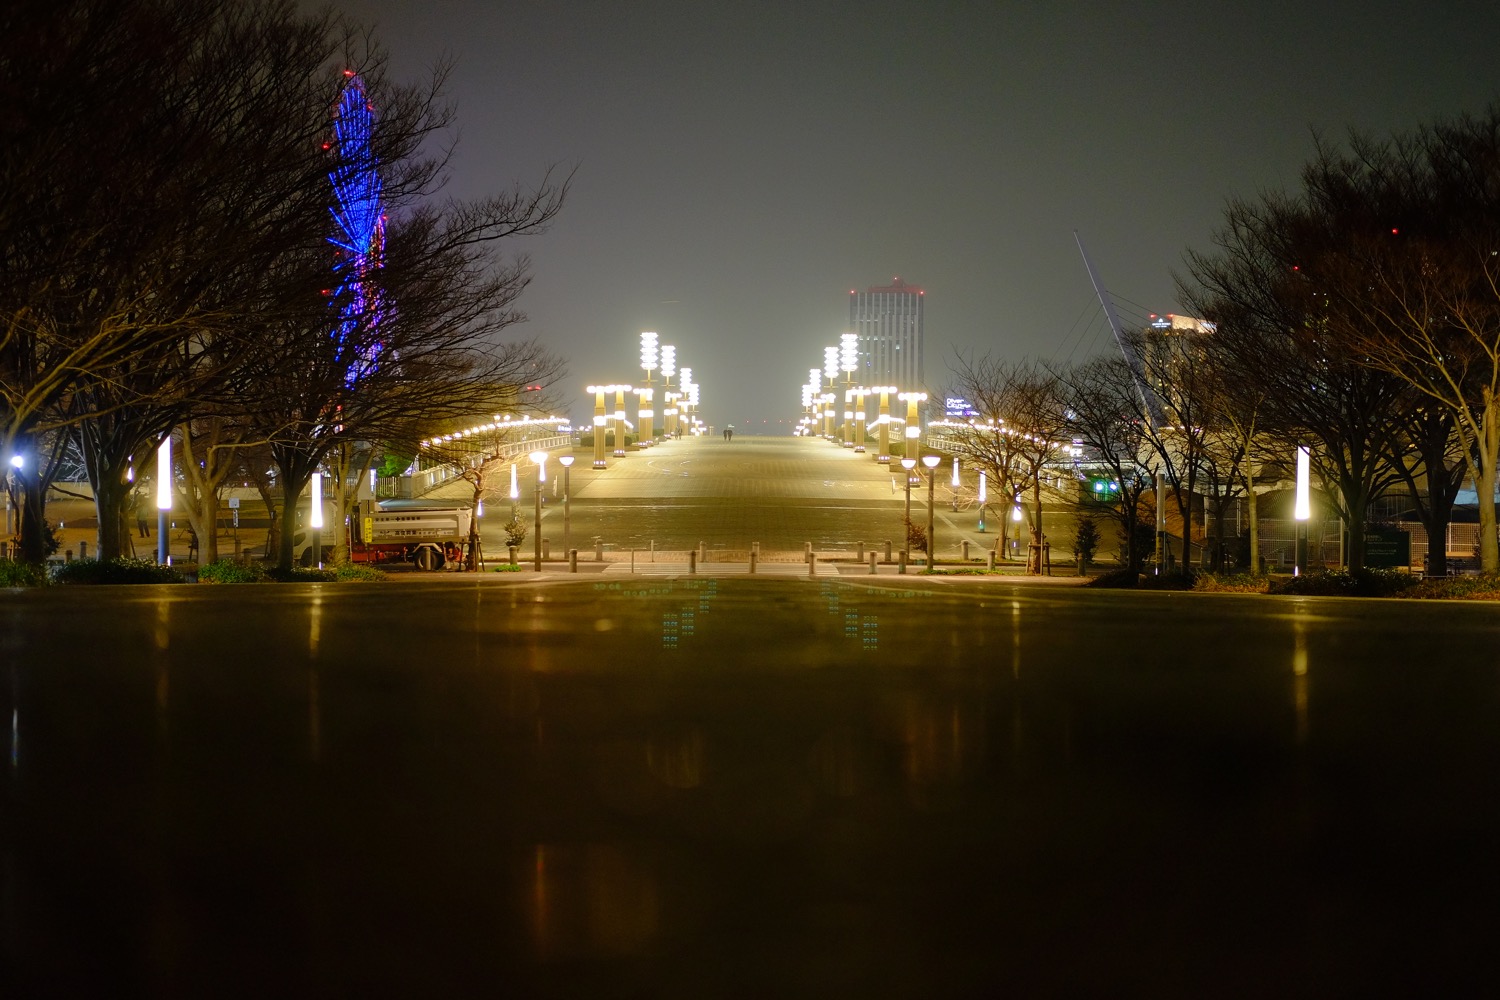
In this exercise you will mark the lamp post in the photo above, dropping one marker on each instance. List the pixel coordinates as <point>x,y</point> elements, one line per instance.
<point>1302,510</point>
<point>540,458</point>
<point>669,404</point>
<point>860,392</point>
<point>620,391</point>
<point>648,363</point>
<point>315,519</point>
<point>567,464</point>
<point>163,498</point>
<point>983,496</point>
<point>907,464</point>
<point>931,461</point>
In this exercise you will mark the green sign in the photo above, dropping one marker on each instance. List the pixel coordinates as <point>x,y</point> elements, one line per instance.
<point>1385,547</point>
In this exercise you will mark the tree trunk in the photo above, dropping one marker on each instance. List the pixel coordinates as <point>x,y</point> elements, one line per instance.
<point>1489,549</point>
<point>1251,508</point>
<point>111,500</point>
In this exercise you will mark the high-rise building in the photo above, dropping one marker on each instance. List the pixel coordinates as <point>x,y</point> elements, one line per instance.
<point>888,321</point>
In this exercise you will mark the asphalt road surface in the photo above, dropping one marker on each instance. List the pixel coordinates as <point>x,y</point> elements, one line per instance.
<point>732,787</point>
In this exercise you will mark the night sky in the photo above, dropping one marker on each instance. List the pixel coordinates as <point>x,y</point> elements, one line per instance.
<point>742,167</point>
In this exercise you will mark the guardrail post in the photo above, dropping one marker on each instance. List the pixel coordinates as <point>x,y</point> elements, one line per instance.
<point>572,560</point>
<point>872,564</point>
<point>887,552</point>
<point>901,568</point>
<point>703,552</point>
<point>990,562</point>
<point>859,551</point>
<point>598,550</point>
<point>753,556</point>
<point>512,550</point>
<point>966,550</point>
<point>812,563</point>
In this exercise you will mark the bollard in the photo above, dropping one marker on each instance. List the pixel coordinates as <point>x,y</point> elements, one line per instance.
<point>512,550</point>
<point>598,550</point>
<point>887,552</point>
<point>990,561</point>
<point>807,548</point>
<point>752,560</point>
<point>859,551</point>
<point>755,548</point>
<point>546,548</point>
<point>693,561</point>
<point>68,555</point>
<point>812,564</point>
<point>83,550</point>
<point>872,564</point>
<point>703,552</point>
<point>572,560</point>
<point>901,567</point>
<point>966,550</point>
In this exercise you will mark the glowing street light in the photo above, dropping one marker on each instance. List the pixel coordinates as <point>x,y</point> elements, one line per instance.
<point>931,461</point>
<point>849,356</point>
<point>1302,509</point>
<point>315,519</point>
<point>649,355</point>
<point>540,459</point>
<point>163,498</point>
<point>567,464</point>
<point>907,464</point>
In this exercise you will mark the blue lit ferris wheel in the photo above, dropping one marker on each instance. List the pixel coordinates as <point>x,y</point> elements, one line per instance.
<point>358,230</point>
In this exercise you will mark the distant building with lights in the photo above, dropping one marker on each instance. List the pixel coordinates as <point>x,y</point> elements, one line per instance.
<point>888,322</point>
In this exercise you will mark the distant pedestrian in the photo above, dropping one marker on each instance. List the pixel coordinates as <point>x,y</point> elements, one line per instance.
<point>142,525</point>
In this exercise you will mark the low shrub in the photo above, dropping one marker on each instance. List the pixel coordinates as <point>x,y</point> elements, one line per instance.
<point>1174,580</point>
<point>507,568</point>
<point>357,573</point>
<point>114,571</point>
<point>1231,583</point>
<point>301,574</point>
<point>1339,583</point>
<point>14,573</point>
<point>1116,580</point>
<point>1457,588</point>
<point>229,571</point>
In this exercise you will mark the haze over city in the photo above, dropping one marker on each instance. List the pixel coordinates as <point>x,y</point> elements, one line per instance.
<point>741,167</point>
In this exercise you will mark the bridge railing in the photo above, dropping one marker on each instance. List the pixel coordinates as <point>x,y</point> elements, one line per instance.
<point>424,481</point>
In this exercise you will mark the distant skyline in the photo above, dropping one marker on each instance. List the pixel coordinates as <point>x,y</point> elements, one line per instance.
<point>740,168</point>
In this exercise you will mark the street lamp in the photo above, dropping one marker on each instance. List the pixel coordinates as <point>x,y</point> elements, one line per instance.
<point>567,464</point>
<point>540,458</point>
<point>983,496</point>
<point>884,458</point>
<point>648,362</point>
<point>163,498</point>
<point>913,423</point>
<point>315,519</point>
<point>860,392</point>
<point>16,462</point>
<point>907,464</point>
<point>1302,510</point>
<point>931,461</point>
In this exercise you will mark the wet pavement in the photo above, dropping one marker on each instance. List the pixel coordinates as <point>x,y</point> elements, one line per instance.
<point>741,787</point>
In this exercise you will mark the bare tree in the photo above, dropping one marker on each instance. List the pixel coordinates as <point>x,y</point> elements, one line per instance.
<point>1016,437</point>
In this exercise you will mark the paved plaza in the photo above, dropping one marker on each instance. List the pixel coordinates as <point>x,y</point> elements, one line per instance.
<point>780,494</point>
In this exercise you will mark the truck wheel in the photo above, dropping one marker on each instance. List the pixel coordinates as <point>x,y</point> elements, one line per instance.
<point>428,560</point>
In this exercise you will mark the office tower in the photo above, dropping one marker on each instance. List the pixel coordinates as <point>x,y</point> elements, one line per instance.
<point>888,320</point>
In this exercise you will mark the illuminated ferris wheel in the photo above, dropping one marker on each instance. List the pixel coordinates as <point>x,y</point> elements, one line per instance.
<point>358,230</point>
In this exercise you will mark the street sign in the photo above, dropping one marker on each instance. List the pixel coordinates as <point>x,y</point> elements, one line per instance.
<point>1387,547</point>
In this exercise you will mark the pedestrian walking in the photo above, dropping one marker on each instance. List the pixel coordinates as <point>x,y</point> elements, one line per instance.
<point>137,503</point>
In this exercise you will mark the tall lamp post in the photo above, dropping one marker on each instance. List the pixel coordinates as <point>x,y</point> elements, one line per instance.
<point>567,464</point>
<point>648,362</point>
<point>540,458</point>
<point>860,392</point>
<point>913,422</point>
<point>931,461</point>
<point>1302,510</point>
<point>907,464</point>
<point>163,497</point>
<point>315,519</point>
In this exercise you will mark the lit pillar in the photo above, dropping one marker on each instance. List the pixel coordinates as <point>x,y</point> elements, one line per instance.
<point>913,422</point>
<point>540,458</point>
<point>1302,510</point>
<point>648,364</point>
<point>884,457</point>
<point>315,519</point>
<point>598,391</point>
<point>620,391</point>
<point>163,498</point>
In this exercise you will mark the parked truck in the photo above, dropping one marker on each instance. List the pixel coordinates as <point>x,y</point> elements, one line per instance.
<point>429,534</point>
